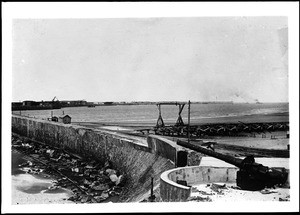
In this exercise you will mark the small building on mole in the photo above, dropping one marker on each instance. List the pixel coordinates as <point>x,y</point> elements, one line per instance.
<point>66,119</point>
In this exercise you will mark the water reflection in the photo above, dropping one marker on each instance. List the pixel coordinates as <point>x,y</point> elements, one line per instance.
<point>31,184</point>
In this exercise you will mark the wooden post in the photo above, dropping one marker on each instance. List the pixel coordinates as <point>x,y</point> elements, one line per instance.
<point>160,122</point>
<point>188,128</point>
<point>151,186</point>
<point>152,196</point>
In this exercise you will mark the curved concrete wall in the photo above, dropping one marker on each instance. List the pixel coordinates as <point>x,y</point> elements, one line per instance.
<point>138,160</point>
<point>171,191</point>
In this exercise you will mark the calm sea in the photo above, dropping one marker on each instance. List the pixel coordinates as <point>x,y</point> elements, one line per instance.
<point>149,113</point>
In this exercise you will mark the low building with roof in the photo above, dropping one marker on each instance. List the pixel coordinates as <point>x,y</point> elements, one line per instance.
<point>66,119</point>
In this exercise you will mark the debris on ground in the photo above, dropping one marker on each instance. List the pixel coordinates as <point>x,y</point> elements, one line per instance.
<point>230,192</point>
<point>89,180</point>
<point>218,188</point>
<point>199,199</point>
<point>267,191</point>
<point>287,198</point>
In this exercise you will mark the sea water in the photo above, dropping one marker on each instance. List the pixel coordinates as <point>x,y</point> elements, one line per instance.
<point>149,113</point>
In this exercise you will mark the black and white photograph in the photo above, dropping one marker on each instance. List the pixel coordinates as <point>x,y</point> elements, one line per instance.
<point>150,107</point>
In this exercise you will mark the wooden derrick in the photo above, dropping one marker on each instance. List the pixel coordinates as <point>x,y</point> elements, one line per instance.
<point>180,129</point>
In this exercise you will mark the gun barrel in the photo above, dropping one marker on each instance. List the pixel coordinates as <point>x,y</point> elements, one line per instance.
<point>229,159</point>
<point>252,176</point>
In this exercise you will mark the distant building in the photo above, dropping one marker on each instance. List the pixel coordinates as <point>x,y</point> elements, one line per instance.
<point>17,104</point>
<point>73,103</point>
<point>66,119</point>
<point>35,105</point>
<point>54,118</point>
<point>108,103</point>
<point>30,103</point>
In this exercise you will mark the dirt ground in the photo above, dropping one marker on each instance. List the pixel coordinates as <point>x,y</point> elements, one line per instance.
<point>218,192</point>
<point>274,144</point>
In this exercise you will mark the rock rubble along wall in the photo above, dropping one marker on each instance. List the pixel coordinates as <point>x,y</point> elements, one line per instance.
<point>137,161</point>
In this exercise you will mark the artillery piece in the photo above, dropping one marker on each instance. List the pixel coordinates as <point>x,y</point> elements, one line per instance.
<point>251,175</point>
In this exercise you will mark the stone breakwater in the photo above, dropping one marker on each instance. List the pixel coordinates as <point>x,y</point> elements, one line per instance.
<point>138,160</point>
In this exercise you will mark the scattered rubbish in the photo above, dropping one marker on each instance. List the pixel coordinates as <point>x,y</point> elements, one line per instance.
<point>18,142</point>
<point>121,180</point>
<point>104,195</point>
<point>102,178</point>
<point>267,191</point>
<point>26,145</point>
<point>27,163</point>
<point>284,199</point>
<point>199,199</point>
<point>74,161</point>
<point>84,199</point>
<point>110,171</point>
<point>79,170</point>
<point>75,169</point>
<point>219,186</point>
<point>194,189</point>
<point>235,187</point>
<point>204,193</point>
<point>114,178</point>
<point>53,187</point>
<point>101,187</point>
<point>50,152</point>
<point>113,193</point>
<point>89,180</point>
<point>99,199</point>
<point>101,172</point>
<point>60,157</point>
<point>218,193</point>
<point>93,176</point>
<point>117,189</point>
<point>83,187</point>
<point>89,167</point>
<point>75,198</point>
<point>87,172</point>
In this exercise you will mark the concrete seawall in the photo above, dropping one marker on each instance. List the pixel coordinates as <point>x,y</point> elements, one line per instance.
<point>138,160</point>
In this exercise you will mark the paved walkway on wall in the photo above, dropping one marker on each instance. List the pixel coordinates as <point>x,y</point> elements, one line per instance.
<point>270,162</point>
<point>124,133</point>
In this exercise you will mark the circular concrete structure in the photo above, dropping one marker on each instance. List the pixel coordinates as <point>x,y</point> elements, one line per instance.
<point>170,190</point>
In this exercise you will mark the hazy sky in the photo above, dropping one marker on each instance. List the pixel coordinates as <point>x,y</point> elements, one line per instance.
<point>151,59</point>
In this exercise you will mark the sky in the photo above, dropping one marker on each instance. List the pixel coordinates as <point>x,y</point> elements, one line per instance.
<point>240,59</point>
